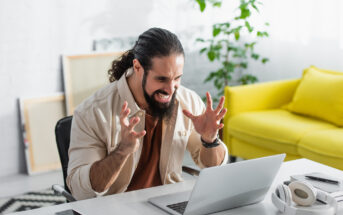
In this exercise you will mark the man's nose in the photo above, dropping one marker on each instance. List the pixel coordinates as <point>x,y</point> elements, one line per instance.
<point>170,88</point>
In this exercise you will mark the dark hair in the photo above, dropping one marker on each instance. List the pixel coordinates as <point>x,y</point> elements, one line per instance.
<point>155,42</point>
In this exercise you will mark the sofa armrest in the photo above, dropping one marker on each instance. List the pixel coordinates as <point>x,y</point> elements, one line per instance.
<point>261,96</point>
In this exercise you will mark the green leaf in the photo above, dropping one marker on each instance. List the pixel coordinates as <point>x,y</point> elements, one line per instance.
<point>264,60</point>
<point>262,34</point>
<point>245,13</point>
<point>254,6</point>
<point>255,56</point>
<point>203,50</point>
<point>247,24</point>
<point>217,4</point>
<point>202,5</point>
<point>237,35</point>
<point>246,79</point>
<point>211,55</point>
<point>244,65</point>
<point>200,40</point>
<point>210,77</point>
<point>267,23</point>
<point>216,31</point>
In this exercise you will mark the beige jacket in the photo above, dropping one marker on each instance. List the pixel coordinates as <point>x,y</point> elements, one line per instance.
<point>95,133</point>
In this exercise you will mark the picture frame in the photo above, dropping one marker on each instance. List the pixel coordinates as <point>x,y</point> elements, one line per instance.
<point>84,74</point>
<point>39,116</point>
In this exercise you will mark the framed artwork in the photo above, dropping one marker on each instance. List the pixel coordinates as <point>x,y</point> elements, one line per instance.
<point>39,116</point>
<point>85,74</point>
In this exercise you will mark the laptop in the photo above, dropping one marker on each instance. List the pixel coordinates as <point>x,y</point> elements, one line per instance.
<point>224,187</point>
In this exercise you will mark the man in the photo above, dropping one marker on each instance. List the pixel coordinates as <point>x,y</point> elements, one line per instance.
<point>132,134</point>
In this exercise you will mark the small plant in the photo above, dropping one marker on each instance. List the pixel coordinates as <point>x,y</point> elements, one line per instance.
<point>227,46</point>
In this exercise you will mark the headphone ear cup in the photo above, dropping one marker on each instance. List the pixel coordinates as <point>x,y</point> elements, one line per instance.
<point>284,193</point>
<point>303,193</point>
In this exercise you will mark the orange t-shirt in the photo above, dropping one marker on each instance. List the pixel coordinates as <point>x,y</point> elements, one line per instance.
<point>147,173</point>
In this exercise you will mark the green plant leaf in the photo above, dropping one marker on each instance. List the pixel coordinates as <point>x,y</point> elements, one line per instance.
<point>264,60</point>
<point>210,77</point>
<point>203,50</point>
<point>262,34</point>
<point>216,31</point>
<point>248,78</point>
<point>202,5</point>
<point>217,4</point>
<point>200,40</point>
<point>211,55</point>
<point>245,13</point>
<point>254,6</point>
<point>255,56</point>
<point>237,35</point>
<point>243,65</point>
<point>247,24</point>
<point>267,24</point>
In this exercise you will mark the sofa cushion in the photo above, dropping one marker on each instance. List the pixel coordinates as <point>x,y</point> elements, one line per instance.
<point>278,130</point>
<point>324,146</point>
<point>320,94</point>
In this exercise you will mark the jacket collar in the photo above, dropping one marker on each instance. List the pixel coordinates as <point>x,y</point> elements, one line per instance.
<point>126,94</point>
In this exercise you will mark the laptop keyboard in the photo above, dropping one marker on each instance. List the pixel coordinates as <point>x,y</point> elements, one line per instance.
<point>178,207</point>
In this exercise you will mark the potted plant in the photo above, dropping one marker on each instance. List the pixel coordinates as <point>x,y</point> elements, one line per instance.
<point>227,46</point>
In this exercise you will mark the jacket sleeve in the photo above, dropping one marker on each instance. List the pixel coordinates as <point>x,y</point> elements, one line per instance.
<point>85,149</point>
<point>194,143</point>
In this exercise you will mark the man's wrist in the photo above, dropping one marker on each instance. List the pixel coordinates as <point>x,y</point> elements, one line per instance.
<point>211,144</point>
<point>208,139</point>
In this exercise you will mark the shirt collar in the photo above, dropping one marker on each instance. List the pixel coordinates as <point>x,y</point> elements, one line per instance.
<point>125,92</point>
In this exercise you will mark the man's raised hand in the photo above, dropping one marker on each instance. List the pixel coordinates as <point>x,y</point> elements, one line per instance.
<point>208,123</point>
<point>129,138</point>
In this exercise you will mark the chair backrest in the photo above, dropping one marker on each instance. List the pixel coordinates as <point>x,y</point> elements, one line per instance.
<point>62,132</point>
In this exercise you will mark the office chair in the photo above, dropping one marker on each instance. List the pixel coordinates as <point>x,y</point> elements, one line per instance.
<point>62,132</point>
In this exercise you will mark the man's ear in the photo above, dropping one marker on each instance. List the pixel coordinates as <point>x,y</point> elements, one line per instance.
<point>137,67</point>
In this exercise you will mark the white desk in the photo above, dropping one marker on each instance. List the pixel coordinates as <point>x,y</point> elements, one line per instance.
<point>136,202</point>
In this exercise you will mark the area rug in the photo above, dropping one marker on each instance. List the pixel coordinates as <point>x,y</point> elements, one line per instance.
<point>30,200</point>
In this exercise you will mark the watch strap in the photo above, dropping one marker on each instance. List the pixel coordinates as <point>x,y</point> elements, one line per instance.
<point>215,143</point>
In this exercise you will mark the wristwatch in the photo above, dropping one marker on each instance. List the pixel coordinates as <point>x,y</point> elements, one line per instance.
<point>215,143</point>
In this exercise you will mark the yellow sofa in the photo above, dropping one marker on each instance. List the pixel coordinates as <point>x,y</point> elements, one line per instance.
<point>302,118</point>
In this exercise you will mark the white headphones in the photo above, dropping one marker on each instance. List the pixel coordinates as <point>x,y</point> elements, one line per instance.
<point>304,195</point>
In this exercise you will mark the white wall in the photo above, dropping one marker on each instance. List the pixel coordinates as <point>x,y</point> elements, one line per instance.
<point>34,34</point>
<point>302,33</point>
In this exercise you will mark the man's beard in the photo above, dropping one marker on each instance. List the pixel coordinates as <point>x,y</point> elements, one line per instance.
<point>158,109</point>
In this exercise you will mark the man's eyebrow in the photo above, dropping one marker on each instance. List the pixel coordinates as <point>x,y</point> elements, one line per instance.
<point>166,77</point>
<point>179,76</point>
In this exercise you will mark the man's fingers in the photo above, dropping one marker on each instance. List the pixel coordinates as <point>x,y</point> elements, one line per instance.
<point>123,117</point>
<point>125,111</point>
<point>124,106</point>
<point>133,122</point>
<point>220,105</point>
<point>188,114</point>
<point>209,100</point>
<point>220,126</point>
<point>221,114</point>
<point>139,134</point>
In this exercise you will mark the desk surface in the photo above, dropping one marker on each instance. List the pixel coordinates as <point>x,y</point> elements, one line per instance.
<point>135,202</point>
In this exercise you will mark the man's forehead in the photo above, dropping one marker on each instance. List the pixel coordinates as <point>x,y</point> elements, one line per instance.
<point>168,66</point>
